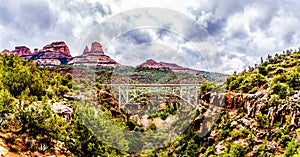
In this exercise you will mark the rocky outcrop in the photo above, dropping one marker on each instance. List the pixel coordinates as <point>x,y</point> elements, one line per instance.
<point>93,58</point>
<point>36,51</point>
<point>21,51</point>
<point>252,115</point>
<point>5,51</point>
<point>57,47</point>
<point>53,54</point>
<point>252,104</point>
<point>64,110</point>
<point>166,66</point>
<point>86,50</point>
<point>96,48</point>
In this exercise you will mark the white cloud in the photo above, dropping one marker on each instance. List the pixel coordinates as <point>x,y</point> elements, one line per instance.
<point>243,30</point>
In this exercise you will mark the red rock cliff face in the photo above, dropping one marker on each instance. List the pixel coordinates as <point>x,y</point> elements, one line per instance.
<point>21,51</point>
<point>95,57</point>
<point>58,47</point>
<point>167,66</point>
<point>96,48</point>
<point>6,51</point>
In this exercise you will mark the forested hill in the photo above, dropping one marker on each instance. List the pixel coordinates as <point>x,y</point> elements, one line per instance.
<point>278,75</point>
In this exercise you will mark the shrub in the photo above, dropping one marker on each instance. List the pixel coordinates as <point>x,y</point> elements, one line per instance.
<point>235,134</point>
<point>262,119</point>
<point>280,70</point>
<point>152,126</point>
<point>6,100</point>
<point>237,150</point>
<point>285,139</point>
<point>291,148</point>
<point>270,68</point>
<point>261,150</point>
<point>280,89</point>
<point>263,70</point>
<point>206,87</point>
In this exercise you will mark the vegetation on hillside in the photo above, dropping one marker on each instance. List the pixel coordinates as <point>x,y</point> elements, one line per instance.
<point>279,75</point>
<point>29,126</point>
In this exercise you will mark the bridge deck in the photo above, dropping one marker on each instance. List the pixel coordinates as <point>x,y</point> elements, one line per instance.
<point>154,85</point>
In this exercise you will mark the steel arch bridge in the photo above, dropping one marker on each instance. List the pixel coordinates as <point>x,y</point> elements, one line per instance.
<point>125,93</point>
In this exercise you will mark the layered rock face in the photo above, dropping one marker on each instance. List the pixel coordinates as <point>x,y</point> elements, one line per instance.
<point>252,104</point>
<point>21,51</point>
<point>57,53</point>
<point>55,47</point>
<point>53,54</point>
<point>243,113</point>
<point>97,48</point>
<point>93,58</point>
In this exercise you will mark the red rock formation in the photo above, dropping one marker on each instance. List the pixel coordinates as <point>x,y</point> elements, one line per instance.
<point>167,66</point>
<point>57,47</point>
<point>86,50</point>
<point>151,62</point>
<point>21,51</point>
<point>5,51</point>
<point>53,54</point>
<point>36,50</point>
<point>93,58</point>
<point>97,48</point>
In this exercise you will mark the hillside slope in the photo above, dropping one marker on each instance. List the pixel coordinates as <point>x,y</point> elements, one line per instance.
<point>262,110</point>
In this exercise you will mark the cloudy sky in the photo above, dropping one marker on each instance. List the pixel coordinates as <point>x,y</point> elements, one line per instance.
<point>238,32</point>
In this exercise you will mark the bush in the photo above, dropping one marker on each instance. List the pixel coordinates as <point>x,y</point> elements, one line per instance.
<point>235,134</point>
<point>280,70</point>
<point>270,68</point>
<point>280,89</point>
<point>152,126</point>
<point>261,150</point>
<point>237,150</point>
<point>285,139</point>
<point>206,87</point>
<point>291,148</point>
<point>6,100</point>
<point>263,70</point>
<point>262,119</point>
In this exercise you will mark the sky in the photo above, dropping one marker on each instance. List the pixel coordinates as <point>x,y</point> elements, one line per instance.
<point>233,34</point>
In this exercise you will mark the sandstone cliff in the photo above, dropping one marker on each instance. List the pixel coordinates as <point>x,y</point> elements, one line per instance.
<point>53,54</point>
<point>21,51</point>
<point>93,58</point>
<point>57,47</point>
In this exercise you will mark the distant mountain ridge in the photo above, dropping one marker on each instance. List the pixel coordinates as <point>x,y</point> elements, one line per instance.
<point>58,53</point>
<point>167,66</point>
